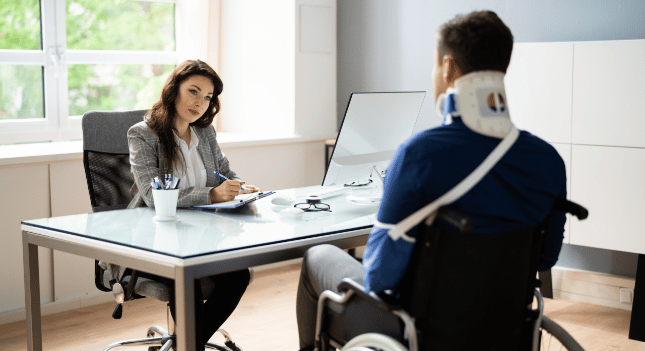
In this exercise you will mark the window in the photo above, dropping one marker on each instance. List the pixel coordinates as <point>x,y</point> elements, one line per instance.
<point>61,58</point>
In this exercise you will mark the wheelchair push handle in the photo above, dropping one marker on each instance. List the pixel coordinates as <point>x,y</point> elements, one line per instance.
<point>567,206</point>
<point>464,224</point>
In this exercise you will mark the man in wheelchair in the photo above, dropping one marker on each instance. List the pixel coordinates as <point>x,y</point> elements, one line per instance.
<point>511,198</point>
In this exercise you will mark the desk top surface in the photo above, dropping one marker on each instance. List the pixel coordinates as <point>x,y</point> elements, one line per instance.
<point>201,232</point>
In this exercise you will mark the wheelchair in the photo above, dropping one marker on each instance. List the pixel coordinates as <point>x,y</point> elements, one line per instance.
<point>444,304</point>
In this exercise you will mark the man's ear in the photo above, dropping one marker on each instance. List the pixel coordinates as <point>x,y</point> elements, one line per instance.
<point>450,70</point>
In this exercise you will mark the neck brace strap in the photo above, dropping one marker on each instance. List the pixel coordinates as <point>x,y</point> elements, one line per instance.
<point>428,212</point>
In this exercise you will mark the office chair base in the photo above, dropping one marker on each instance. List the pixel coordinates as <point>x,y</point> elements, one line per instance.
<point>165,342</point>
<point>229,345</point>
<point>143,341</point>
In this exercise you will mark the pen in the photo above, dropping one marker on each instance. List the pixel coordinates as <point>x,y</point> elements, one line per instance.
<point>169,181</point>
<point>224,178</point>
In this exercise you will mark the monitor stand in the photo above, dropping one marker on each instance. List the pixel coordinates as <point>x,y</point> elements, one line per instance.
<point>371,198</point>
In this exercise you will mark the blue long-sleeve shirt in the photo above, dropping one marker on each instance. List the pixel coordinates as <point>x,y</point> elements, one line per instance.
<point>519,191</point>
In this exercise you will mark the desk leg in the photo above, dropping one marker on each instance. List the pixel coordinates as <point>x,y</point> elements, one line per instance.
<point>637,322</point>
<point>185,310</point>
<point>32,294</point>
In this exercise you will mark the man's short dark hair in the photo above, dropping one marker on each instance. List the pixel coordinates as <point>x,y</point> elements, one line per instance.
<point>477,41</point>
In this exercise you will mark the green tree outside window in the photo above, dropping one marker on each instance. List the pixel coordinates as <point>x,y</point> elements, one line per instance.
<point>90,25</point>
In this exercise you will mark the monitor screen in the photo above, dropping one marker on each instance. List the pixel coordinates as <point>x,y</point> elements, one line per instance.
<point>375,124</point>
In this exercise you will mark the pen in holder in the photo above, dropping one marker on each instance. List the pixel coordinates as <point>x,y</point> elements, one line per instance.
<point>165,204</point>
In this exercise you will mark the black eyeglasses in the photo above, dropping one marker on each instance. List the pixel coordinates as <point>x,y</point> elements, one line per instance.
<point>313,207</point>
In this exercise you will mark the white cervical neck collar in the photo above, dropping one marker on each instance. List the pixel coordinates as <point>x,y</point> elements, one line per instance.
<point>479,98</point>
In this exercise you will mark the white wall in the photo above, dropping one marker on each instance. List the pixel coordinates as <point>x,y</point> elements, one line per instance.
<point>281,166</point>
<point>315,98</point>
<point>278,63</point>
<point>257,63</point>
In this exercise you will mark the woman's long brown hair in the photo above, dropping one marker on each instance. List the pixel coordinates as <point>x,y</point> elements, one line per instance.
<point>161,117</point>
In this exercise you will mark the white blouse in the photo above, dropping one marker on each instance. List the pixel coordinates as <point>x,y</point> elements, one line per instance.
<point>194,174</point>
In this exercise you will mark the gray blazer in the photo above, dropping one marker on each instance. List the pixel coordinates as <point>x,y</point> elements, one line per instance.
<point>146,158</point>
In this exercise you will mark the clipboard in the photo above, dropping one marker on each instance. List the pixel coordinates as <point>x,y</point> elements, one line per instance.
<point>240,200</point>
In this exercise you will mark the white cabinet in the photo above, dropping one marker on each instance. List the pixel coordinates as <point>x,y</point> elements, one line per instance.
<point>538,87</point>
<point>73,275</point>
<point>25,195</point>
<point>608,182</point>
<point>588,100</point>
<point>609,93</point>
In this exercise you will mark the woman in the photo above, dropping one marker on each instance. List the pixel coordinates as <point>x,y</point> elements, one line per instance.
<point>177,137</point>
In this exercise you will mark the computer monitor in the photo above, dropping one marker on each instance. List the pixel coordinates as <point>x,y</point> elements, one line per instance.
<point>375,124</point>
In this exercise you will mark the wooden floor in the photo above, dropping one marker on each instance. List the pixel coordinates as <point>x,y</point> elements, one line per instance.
<point>265,320</point>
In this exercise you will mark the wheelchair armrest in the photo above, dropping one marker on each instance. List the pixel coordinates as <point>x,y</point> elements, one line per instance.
<point>382,300</point>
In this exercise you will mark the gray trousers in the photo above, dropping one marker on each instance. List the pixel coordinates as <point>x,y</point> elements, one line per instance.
<point>323,268</point>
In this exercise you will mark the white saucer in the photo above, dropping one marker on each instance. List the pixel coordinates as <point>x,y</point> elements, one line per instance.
<point>164,218</point>
<point>364,200</point>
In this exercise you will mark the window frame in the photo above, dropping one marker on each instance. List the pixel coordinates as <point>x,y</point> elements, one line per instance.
<point>54,58</point>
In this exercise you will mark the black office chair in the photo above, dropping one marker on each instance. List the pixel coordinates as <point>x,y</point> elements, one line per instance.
<point>106,158</point>
<point>462,291</point>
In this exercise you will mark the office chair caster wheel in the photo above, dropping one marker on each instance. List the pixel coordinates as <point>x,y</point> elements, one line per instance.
<point>229,345</point>
<point>162,337</point>
<point>228,341</point>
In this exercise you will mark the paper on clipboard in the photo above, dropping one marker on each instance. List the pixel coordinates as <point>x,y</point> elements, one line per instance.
<point>239,200</point>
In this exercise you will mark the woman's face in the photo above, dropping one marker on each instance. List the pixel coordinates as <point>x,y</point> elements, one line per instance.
<point>195,94</point>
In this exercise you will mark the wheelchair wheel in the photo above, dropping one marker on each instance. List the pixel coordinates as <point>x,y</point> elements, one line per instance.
<point>373,342</point>
<point>554,337</point>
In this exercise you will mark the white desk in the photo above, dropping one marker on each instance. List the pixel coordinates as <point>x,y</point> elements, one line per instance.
<point>198,244</point>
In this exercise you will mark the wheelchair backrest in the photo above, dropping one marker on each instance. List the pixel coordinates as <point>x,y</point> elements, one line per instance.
<point>471,291</point>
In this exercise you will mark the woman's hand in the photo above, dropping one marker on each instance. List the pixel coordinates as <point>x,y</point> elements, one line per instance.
<point>250,189</point>
<point>226,191</point>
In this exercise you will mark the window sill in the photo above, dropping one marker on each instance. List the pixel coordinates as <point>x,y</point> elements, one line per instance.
<point>73,150</point>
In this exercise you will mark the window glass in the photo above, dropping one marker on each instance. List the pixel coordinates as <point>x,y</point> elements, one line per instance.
<point>115,87</point>
<point>120,25</point>
<point>20,25</point>
<point>21,92</point>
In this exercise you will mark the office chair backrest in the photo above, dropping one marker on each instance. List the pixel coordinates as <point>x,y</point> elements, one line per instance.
<point>106,157</point>
<point>470,291</point>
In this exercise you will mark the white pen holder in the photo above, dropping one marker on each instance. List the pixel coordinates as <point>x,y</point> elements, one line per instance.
<point>165,204</point>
